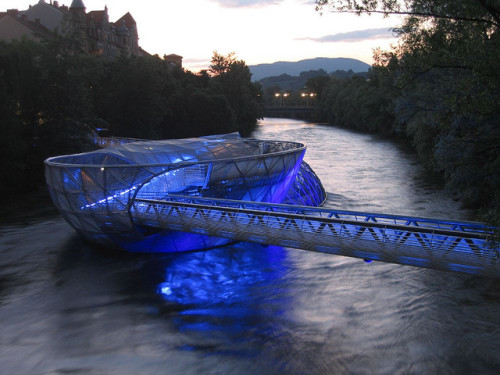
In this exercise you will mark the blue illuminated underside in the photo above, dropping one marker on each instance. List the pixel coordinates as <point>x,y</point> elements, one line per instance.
<point>94,191</point>
<point>144,196</point>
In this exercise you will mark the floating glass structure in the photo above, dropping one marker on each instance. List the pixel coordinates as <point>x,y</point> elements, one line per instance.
<point>199,193</point>
<point>95,191</point>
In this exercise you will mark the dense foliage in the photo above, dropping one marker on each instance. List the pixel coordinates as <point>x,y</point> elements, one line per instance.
<point>291,83</point>
<point>440,89</point>
<point>52,101</point>
<point>301,90</point>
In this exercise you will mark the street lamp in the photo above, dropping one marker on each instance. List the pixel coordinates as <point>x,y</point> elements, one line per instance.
<point>277,95</point>
<point>308,95</point>
<point>283,96</point>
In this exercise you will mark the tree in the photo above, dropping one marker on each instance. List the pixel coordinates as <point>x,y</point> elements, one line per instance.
<point>51,101</point>
<point>133,96</point>
<point>221,119</point>
<point>13,146</point>
<point>221,64</point>
<point>45,109</point>
<point>232,78</point>
<point>446,98</point>
<point>478,11</point>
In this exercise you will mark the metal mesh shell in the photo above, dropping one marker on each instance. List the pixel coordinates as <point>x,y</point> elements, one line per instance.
<point>94,191</point>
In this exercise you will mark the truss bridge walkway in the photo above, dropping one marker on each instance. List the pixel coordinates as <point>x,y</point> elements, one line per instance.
<point>430,243</point>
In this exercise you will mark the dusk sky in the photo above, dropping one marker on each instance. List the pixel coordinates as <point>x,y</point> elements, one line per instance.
<point>258,31</point>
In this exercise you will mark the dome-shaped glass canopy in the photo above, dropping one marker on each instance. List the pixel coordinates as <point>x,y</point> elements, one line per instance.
<point>94,190</point>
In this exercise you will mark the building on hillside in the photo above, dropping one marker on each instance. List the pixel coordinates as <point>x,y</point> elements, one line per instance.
<point>90,32</point>
<point>16,25</point>
<point>173,59</point>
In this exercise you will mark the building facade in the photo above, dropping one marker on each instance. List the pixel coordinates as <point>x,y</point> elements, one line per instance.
<point>88,32</point>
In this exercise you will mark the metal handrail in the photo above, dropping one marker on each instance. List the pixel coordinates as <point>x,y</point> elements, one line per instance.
<point>433,243</point>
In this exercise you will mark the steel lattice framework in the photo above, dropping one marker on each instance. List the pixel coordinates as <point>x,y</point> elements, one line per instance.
<point>94,191</point>
<point>431,243</point>
<point>193,194</point>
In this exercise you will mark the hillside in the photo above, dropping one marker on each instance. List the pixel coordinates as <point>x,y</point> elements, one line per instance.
<point>288,82</point>
<point>295,68</point>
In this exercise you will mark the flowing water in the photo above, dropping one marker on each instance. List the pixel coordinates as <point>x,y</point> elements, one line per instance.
<point>69,308</point>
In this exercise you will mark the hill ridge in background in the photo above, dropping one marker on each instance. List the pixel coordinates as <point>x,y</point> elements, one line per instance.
<point>294,68</point>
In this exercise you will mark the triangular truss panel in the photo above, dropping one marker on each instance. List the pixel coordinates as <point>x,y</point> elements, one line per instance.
<point>189,194</point>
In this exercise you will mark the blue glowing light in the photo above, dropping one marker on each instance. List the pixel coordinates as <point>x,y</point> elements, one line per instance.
<point>95,191</point>
<point>192,194</point>
<point>109,199</point>
<point>165,289</point>
<point>209,280</point>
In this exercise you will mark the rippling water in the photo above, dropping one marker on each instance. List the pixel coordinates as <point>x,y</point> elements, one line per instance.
<point>66,307</point>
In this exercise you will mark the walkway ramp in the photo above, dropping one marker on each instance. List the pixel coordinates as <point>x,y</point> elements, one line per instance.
<point>430,243</point>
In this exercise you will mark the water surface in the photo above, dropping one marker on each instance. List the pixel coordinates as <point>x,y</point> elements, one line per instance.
<point>66,307</point>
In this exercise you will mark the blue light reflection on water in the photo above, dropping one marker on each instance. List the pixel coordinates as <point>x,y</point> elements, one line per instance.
<point>227,292</point>
<point>211,278</point>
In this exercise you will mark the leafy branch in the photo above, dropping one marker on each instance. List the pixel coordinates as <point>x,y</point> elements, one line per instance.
<point>423,9</point>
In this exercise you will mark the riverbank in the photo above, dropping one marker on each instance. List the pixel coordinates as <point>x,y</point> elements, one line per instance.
<point>19,209</point>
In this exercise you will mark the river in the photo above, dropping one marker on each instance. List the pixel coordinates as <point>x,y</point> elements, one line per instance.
<point>69,308</point>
